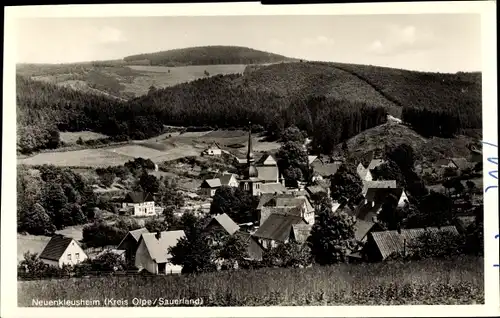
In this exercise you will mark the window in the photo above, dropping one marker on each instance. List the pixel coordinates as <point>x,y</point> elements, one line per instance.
<point>69,257</point>
<point>77,256</point>
<point>246,186</point>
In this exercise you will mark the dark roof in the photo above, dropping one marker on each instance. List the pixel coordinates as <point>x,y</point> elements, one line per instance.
<point>378,184</point>
<point>211,183</point>
<point>389,242</point>
<point>277,227</point>
<point>253,247</point>
<point>365,212</point>
<point>138,197</point>
<point>362,229</point>
<point>55,247</point>
<point>379,195</point>
<point>315,189</point>
<point>135,234</point>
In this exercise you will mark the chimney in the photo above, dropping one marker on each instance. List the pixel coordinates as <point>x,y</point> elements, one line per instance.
<point>158,235</point>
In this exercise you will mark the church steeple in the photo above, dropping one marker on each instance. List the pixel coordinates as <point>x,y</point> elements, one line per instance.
<point>251,171</point>
<point>250,157</point>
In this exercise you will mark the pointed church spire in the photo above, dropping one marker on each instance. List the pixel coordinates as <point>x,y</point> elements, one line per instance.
<point>250,157</point>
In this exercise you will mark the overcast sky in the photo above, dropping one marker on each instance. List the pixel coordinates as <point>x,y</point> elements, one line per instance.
<point>442,43</point>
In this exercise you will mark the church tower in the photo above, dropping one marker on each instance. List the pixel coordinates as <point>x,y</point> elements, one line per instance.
<point>251,182</point>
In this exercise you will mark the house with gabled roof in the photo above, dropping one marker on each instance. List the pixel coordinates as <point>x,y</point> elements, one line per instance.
<point>130,243</point>
<point>61,250</point>
<point>221,223</point>
<point>276,229</point>
<point>381,245</point>
<point>322,169</point>
<point>209,186</point>
<point>141,203</point>
<point>228,179</point>
<point>213,150</point>
<point>152,253</point>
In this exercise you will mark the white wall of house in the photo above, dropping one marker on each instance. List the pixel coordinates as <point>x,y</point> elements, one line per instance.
<point>233,182</point>
<point>143,259</point>
<point>173,269</point>
<point>209,191</point>
<point>214,152</point>
<point>402,199</point>
<point>368,176</point>
<point>141,209</point>
<point>309,217</point>
<point>73,255</point>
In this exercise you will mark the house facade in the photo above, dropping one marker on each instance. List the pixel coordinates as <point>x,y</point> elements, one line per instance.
<point>364,173</point>
<point>61,251</point>
<point>152,253</point>
<point>276,229</point>
<point>142,204</point>
<point>130,243</point>
<point>213,150</point>
<point>210,186</point>
<point>229,179</point>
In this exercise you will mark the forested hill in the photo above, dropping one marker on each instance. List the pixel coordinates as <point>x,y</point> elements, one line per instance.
<point>207,55</point>
<point>332,102</point>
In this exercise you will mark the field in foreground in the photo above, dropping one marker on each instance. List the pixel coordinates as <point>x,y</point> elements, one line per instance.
<point>425,283</point>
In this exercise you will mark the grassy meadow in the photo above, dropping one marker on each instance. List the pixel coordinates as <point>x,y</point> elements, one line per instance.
<point>158,149</point>
<point>454,281</point>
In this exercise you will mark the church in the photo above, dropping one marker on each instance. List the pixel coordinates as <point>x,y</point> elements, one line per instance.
<point>259,183</point>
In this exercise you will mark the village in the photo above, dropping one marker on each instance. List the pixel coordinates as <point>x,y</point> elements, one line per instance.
<point>284,214</point>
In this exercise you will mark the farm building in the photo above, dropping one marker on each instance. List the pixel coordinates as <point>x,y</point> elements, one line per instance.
<point>221,223</point>
<point>276,229</point>
<point>61,251</point>
<point>381,245</point>
<point>462,163</point>
<point>130,243</point>
<point>209,186</point>
<point>141,203</point>
<point>213,150</point>
<point>152,253</point>
<point>364,173</point>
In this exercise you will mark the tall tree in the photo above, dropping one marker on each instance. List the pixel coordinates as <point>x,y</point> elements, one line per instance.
<point>332,236</point>
<point>346,184</point>
<point>293,161</point>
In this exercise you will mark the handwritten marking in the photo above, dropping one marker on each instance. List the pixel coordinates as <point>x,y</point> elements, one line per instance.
<point>493,173</point>
<point>496,237</point>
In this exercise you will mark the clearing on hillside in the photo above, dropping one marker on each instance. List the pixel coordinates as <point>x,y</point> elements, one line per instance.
<point>72,137</point>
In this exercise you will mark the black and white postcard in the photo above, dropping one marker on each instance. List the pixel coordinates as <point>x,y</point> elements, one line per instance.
<point>187,160</point>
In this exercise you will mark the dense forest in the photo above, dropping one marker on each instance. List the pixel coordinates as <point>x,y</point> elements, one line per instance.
<point>342,100</point>
<point>51,198</point>
<point>452,102</point>
<point>208,55</point>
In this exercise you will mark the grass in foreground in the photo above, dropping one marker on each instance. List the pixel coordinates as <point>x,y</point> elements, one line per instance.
<point>425,282</point>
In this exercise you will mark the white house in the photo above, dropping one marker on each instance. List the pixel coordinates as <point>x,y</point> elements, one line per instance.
<point>364,173</point>
<point>62,251</point>
<point>209,186</point>
<point>152,253</point>
<point>229,179</point>
<point>213,150</point>
<point>142,203</point>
